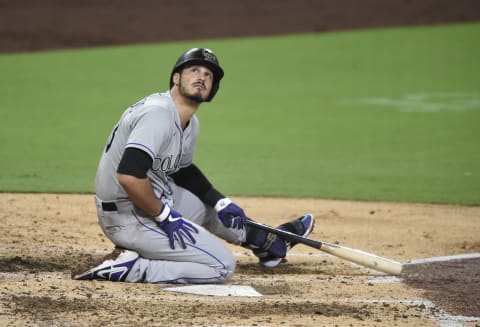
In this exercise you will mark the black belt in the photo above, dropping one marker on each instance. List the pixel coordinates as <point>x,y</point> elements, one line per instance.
<point>109,206</point>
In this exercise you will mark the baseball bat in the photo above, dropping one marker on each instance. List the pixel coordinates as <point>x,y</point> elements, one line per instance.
<point>362,258</point>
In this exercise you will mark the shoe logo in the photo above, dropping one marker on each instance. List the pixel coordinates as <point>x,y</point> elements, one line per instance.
<point>113,273</point>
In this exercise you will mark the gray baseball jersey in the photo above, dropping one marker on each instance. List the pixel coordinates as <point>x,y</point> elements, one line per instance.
<point>153,125</point>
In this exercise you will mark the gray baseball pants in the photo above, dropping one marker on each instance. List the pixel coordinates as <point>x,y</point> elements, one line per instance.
<point>206,261</point>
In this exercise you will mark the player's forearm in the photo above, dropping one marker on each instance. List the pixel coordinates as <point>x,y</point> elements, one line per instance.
<point>192,179</point>
<point>140,191</point>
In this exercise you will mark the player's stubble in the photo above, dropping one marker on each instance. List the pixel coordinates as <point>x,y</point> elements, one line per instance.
<point>195,96</point>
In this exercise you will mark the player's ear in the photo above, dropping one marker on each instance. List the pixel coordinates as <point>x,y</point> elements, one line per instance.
<point>176,78</point>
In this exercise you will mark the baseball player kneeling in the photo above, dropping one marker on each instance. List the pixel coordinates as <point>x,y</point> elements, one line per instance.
<point>155,204</point>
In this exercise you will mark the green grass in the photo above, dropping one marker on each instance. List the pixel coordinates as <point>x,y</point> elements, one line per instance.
<point>387,114</point>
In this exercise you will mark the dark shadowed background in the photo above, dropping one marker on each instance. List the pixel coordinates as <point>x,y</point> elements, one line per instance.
<point>27,25</point>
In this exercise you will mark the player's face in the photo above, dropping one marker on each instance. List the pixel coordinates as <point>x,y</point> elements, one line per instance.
<point>195,83</point>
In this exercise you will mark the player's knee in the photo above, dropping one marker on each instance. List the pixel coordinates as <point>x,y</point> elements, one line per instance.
<point>229,266</point>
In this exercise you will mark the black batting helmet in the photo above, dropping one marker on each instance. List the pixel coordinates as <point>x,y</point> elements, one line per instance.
<point>202,56</point>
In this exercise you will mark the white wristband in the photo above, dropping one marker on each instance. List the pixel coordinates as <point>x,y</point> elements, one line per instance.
<point>164,214</point>
<point>222,204</point>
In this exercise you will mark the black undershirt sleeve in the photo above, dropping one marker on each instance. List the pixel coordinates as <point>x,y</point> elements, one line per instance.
<point>192,179</point>
<point>135,162</point>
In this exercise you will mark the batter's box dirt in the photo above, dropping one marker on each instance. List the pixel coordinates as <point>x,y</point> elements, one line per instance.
<point>309,289</point>
<point>29,264</point>
<point>308,267</point>
<point>454,284</point>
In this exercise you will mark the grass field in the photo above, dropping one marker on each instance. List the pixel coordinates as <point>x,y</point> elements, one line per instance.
<point>388,114</point>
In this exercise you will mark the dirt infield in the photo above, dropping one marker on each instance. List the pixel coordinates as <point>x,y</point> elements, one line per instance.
<point>45,236</point>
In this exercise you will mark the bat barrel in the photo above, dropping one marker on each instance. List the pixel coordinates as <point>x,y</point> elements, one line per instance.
<point>365,259</point>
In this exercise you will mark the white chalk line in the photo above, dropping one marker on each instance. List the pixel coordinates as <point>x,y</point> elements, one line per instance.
<point>186,296</point>
<point>238,278</point>
<point>237,254</point>
<point>423,102</point>
<point>439,316</point>
<point>464,256</point>
<point>443,318</point>
<point>53,250</point>
<point>385,280</point>
<point>47,275</point>
<point>380,277</point>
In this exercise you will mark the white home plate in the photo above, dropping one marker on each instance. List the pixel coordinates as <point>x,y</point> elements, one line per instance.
<point>216,290</point>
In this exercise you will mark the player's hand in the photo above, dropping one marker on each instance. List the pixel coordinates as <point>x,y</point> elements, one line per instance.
<point>231,215</point>
<point>176,227</point>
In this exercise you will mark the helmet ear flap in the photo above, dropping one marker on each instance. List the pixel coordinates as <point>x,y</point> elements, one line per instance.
<point>202,56</point>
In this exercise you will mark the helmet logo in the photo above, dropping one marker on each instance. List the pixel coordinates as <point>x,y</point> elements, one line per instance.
<point>208,55</point>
